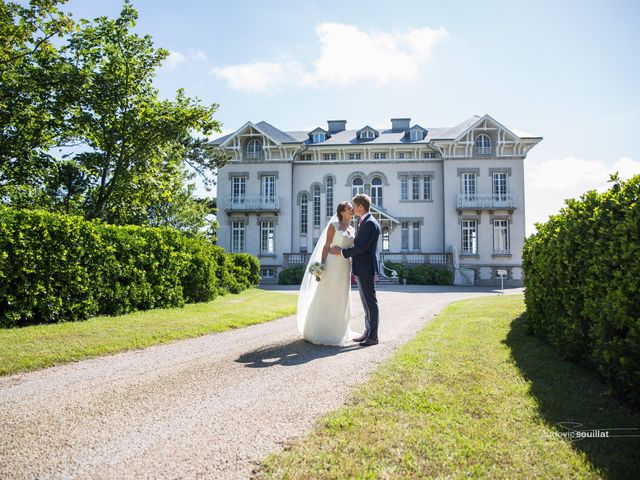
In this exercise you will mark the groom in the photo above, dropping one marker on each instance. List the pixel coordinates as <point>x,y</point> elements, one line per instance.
<point>365,265</point>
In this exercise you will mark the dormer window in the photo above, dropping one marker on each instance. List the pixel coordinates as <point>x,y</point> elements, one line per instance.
<point>416,135</point>
<point>367,135</point>
<point>482,144</point>
<point>254,149</point>
<point>318,137</point>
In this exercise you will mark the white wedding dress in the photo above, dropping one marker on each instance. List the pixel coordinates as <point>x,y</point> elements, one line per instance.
<point>324,307</point>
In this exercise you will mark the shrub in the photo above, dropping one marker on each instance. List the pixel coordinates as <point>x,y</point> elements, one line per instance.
<point>428,275</point>
<point>582,279</point>
<point>291,275</point>
<point>62,268</point>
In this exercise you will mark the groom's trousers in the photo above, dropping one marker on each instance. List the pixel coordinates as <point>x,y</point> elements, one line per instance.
<point>367,290</point>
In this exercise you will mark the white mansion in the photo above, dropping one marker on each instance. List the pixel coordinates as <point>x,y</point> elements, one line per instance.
<point>450,196</point>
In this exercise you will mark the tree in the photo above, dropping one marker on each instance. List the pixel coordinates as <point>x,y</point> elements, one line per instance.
<point>33,102</point>
<point>132,150</point>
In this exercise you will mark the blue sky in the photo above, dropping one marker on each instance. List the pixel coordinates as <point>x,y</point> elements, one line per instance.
<point>565,70</point>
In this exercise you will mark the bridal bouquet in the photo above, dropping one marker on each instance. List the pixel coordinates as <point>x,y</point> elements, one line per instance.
<point>316,269</point>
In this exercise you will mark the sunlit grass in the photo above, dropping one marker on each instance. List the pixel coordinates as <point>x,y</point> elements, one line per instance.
<point>40,346</point>
<point>462,400</point>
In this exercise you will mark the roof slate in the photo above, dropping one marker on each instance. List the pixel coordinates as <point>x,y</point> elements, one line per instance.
<point>350,137</point>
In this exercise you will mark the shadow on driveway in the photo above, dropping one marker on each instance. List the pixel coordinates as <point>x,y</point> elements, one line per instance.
<point>290,354</point>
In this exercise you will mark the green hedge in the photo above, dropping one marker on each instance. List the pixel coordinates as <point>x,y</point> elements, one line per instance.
<point>62,268</point>
<point>582,280</point>
<point>422,274</point>
<point>291,275</point>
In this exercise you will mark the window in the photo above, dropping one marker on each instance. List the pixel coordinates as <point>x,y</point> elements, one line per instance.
<point>401,155</point>
<point>385,239</point>
<point>379,156</point>
<point>304,214</point>
<point>316,206</point>
<point>306,156</point>
<point>238,189</point>
<point>376,191</point>
<point>330,156</point>
<point>405,235</point>
<point>254,148</point>
<point>329,197</point>
<point>416,135</point>
<point>318,137</point>
<point>268,187</point>
<point>500,186</point>
<point>501,237</point>
<point>367,135</point>
<point>483,145</point>
<point>415,188</point>
<point>426,187</point>
<point>268,272</point>
<point>429,155</point>
<point>404,187</point>
<point>267,238</point>
<point>469,237</point>
<point>355,156</point>
<point>469,186</point>
<point>416,236</point>
<point>357,186</point>
<point>237,237</point>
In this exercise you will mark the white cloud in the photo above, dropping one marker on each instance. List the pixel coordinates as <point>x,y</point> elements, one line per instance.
<point>174,59</point>
<point>256,77</point>
<point>348,55</point>
<point>199,56</point>
<point>550,182</point>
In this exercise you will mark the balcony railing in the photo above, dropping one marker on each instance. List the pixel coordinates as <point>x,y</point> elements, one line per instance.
<point>417,258</point>
<point>488,201</point>
<point>252,204</point>
<point>296,258</point>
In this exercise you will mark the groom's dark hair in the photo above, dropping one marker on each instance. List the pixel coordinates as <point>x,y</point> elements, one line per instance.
<point>363,200</point>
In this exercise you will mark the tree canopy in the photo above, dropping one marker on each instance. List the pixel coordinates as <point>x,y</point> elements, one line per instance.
<point>86,89</point>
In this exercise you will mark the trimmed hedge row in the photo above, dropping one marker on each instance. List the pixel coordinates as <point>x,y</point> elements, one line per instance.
<point>57,268</point>
<point>291,275</point>
<point>582,279</point>
<point>422,274</point>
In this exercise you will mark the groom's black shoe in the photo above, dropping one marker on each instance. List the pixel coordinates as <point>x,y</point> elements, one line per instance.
<point>368,342</point>
<point>359,339</point>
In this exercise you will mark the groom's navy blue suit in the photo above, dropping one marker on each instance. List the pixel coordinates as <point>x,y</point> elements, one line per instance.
<point>365,266</point>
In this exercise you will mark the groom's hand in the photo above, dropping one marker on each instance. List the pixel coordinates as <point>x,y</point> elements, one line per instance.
<point>335,250</point>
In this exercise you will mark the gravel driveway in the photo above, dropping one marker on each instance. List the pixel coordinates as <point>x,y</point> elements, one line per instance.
<point>209,407</point>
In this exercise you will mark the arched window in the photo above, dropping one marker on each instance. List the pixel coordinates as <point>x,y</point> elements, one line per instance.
<point>483,144</point>
<point>304,214</point>
<point>385,239</point>
<point>316,206</point>
<point>254,148</point>
<point>329,197</point>
<point>357,186</point>
<point>376,191</point>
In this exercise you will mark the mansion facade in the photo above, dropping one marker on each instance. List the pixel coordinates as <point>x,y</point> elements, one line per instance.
<point>451,197</point>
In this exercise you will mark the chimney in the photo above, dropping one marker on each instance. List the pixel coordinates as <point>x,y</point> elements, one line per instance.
<point>400,124</point>
<point>336,126</point>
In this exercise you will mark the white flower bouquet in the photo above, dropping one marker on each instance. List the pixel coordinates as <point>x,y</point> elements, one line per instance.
<point>316,269</point>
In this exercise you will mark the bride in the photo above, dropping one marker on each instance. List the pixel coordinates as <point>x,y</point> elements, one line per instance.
<point>324,306</point>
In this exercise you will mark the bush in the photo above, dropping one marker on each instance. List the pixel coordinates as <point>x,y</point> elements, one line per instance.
<point>291,275</point>
<point>582,279</point>
<point>57,268</point>
<point>422,274</point>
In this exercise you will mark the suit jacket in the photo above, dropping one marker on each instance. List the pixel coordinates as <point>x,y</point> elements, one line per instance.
<point>363,252</point>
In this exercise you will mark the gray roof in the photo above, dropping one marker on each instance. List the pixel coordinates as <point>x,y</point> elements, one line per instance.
<point>350,137</point>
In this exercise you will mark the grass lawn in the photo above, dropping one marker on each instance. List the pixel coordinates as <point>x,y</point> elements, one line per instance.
<point>41,346</point>
<point>471,396</point>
